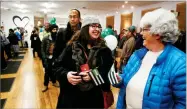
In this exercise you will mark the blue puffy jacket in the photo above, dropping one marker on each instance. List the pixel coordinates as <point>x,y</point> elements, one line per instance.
<point>166,84</point>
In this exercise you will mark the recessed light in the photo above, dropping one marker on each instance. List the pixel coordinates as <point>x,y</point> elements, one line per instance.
<point>123,6</point>
<point>116,12</point>
<point>132,7</point>
<point>126,2</point>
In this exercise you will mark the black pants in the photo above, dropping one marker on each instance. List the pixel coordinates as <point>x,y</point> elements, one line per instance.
<point>34,50</point>
<point>49,73</point>
<point>3,61</point>
<point>38,50</point>
<point>8,51</point>
<point>26,44</point>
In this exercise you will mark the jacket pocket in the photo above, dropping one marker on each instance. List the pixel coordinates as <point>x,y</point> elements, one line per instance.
<point>150,84</point>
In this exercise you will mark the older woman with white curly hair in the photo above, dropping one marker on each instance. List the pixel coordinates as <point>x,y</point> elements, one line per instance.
<point>155,76</point>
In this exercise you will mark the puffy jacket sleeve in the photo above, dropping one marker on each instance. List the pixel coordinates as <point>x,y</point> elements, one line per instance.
<point>178,84</point>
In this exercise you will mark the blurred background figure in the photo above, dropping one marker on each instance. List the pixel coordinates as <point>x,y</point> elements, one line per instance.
<point>26,39</point>
<point>128,46</point>
<point>6,43</point>
<point>35,42</point>
<point>13,42</point>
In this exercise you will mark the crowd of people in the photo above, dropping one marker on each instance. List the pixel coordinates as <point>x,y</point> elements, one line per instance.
<point>152,72</point>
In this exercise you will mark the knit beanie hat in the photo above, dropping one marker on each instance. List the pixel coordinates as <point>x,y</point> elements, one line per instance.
<point>132,29</point>
<point>90,20</point>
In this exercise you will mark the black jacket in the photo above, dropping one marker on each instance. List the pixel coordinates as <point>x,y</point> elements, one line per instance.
<point>45,46</point>
<point>71,96</point>
<point>35,41</point>
<point>13,39</point>
<point>63,36</point>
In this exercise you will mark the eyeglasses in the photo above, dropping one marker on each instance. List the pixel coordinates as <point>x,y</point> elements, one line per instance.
<point>145,29</point>
<point>94,26</point>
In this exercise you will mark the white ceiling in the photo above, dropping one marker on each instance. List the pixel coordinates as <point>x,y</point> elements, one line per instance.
<point>60,9</point>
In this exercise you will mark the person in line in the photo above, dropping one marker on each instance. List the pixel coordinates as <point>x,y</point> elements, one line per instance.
<point>6,43</point>
<point>155,76</point>
<point>13,42</point>
<point>47,47</point>
<point>77,89</point>
<point>35,42</point>
<point>64,35</point>
<point>3,60</point>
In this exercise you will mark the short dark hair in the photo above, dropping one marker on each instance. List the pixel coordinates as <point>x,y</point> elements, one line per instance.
<point>78,12</point>
<point>11,30</point>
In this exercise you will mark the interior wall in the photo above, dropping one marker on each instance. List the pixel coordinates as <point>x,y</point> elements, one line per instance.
<point>170,5</point>
<point>7,21</point>
<point>126,20</point>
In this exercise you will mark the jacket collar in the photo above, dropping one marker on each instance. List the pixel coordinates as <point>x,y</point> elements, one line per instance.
<point>142,52</point>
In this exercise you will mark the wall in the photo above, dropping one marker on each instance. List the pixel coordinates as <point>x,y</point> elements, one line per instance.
<point>137,14</point>
<point>6,18</point>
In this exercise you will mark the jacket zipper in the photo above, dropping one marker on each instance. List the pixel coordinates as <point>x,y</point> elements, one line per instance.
<point>150,84</point>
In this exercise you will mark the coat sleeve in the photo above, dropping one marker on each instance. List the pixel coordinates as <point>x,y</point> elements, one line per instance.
<point>127,50</point>
<point>63,65</point>
<point>179,86</point>
<point>59,44</point>
<point>107,61</point>
<point>43,49</point>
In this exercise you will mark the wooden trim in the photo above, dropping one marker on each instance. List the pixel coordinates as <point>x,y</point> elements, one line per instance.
<point>181,9</point>
<point>110,21</point>
<point>126,20</point>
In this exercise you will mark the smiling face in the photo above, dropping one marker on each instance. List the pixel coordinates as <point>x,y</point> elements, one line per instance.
<point>149,40</point>
<point>94,30</point>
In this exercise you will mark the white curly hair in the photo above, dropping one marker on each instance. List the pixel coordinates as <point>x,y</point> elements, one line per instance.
<point>162,22</point>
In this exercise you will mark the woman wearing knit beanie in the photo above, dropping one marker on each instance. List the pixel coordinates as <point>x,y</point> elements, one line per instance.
<point>86,48</point>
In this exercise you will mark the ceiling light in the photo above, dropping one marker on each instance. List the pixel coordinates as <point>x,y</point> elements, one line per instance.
<point>116,12</point>
<point>132,7</point>
<point>123,6</point>
<point>126,2</point>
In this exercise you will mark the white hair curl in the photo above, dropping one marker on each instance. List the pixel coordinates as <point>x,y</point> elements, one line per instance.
<point>162,22</point>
